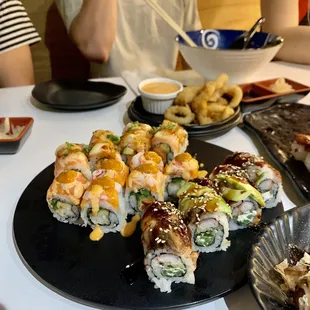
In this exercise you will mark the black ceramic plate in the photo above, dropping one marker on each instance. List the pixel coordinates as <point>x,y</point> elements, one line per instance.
<point>136,112</point>
<point>275,127</point>
<point>272,247</point>
<point>63,258</point>
<point>78,94</point>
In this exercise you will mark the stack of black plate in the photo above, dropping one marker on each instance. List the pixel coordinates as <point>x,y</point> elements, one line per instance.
<point>136,112</point>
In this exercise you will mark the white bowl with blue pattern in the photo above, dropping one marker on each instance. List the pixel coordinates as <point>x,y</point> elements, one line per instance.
<point>212,56</point>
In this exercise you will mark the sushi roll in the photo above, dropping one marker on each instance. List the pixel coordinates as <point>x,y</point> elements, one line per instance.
<point>101,151</point>
<point>113,168</point>
<point>245,200</point>
<point>101,136</point>
<point>168,253</point>
<point>206,213</point>
<point>136,126</point>
<point>169,141</point>
<point>262,175</point>
<point>301,149</point>
<point>68,148</point>
<point>146,158</point>
<point>136,138</point>
<point>182,168</point>
<point>144,184</point>
<point>64,196</point>
<point>103,206</point>
<point>77,161</point>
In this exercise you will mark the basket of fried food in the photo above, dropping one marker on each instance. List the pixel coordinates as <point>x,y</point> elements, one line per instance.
<point>211,103</point>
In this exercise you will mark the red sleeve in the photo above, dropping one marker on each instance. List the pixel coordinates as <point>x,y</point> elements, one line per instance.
<point>303,9</point>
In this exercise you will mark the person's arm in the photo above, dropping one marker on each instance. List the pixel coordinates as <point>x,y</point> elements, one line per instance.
<point>16,67</point>
<point>282,18</point>
<point>93,30</point>
<point>17,33</point>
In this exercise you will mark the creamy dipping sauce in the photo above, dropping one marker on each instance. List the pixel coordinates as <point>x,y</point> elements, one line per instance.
<point>160,88</point>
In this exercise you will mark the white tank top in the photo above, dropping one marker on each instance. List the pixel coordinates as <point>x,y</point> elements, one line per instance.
<point>144,41</point>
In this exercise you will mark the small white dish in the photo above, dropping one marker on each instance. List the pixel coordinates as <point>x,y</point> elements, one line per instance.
<point>158,103</point>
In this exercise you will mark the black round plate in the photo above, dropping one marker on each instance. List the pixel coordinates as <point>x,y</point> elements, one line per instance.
<point>136,112</point>
<point>78,94</point>
<point>63,258</point>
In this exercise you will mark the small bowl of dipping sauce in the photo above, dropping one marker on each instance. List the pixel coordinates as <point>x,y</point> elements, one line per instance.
<point>158,94</point>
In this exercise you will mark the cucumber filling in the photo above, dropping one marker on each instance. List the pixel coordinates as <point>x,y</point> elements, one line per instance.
<point>103,218</point>
<point>205,238</point>
<point>136,199</point>
<point>269,190</point>
<point>246,218</point>
<point>170,270</point>
<point>64,209</point>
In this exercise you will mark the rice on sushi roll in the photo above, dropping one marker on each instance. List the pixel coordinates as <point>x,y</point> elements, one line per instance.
<point>146,158</point>
<point>300,149</point>
<point>206,213</point>
<point>103,205</point>
<point>168,253</point>
<point>261,174</point>
<point>182,168</point>
<point>64,196</point>
<point>245,200</point>
<point>101,136</point>
<point>144,184</point>
<point>170,140</point>
<point>113,168</point>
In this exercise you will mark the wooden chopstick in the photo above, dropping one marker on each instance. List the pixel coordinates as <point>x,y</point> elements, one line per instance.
<point>170,21</point>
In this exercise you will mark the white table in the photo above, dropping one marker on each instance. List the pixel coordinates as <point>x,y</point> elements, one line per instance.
<point>18,288</point>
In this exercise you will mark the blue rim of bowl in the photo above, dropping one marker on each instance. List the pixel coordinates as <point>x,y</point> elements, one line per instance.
<point>249,50</point>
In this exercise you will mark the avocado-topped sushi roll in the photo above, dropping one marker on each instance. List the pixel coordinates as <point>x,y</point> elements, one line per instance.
<point>147,158</point>
<point>101,151</point>
<point>206,214</point>
<point>166,240</point>
<point>101,136</point>
<point>77,161</point>
<point>300,149</point>
<point>182,168</point>
<point>169,140</point>
<point>261,174</point>
<point>136,138</point>
<point>113,168</point>
<point>64,196</point>
<point>245,200</point>
<point>103,206</point>
<point>144,184</point>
